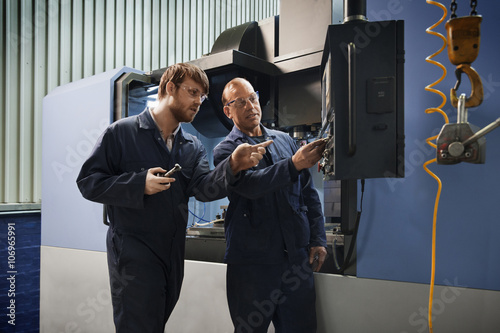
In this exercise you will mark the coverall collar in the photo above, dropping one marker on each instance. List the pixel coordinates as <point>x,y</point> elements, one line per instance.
<point>146,122</point>
<point>237,134</point>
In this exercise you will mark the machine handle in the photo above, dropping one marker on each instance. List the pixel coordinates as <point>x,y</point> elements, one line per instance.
<point>482,132</point>
<point>351,52</point>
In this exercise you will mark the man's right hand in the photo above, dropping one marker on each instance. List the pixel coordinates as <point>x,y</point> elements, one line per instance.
<point>154,183</point>
<point>308,155</point>
<point>246,156</point>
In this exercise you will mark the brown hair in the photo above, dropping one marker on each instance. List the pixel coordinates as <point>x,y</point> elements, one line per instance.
<point>177,73</point>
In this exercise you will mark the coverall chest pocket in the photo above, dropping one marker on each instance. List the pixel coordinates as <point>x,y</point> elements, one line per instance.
<point>254,234</point>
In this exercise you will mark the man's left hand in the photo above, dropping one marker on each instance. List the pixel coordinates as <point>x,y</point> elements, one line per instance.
<point>317,255</point>
<point>246,156</point>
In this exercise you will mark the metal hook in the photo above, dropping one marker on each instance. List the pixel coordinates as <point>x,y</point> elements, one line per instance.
<point>476,97</point>
<point>458,74</point>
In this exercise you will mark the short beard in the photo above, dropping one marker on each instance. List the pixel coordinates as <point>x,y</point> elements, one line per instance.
<point>181,116</point>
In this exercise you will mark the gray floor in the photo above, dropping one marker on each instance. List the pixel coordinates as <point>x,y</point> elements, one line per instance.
<point>75,297</point>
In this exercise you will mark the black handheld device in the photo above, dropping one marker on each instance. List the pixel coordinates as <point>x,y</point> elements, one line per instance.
<point>169,173</point>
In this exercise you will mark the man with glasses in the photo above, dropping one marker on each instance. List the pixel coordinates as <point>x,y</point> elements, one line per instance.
<point>147,209</point>
<point>275,236</point>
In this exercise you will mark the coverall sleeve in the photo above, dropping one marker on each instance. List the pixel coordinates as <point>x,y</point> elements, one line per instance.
<point>100,179</point>
<point>314,211</point>
<point>254,183</point>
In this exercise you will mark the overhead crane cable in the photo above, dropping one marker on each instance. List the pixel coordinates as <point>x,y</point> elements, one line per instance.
<point>429,141</point>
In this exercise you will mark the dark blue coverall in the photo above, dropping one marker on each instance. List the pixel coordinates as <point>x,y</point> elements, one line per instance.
<point>274,217</point>
<point>146,237</point>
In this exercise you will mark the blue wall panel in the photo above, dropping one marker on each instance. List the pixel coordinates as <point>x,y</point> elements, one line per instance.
<point>395,234</point>
<point>20,273</point>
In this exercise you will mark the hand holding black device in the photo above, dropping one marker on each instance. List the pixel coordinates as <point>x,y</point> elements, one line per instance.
<point>169,173</point>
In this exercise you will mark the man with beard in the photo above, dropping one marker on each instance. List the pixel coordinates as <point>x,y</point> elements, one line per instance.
<point>275,233</point>
<point>148,210</point>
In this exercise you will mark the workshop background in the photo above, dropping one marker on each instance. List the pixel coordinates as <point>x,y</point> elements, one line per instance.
<point>47,43</point>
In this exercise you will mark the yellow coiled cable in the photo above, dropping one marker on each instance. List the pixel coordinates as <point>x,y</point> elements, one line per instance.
<point>429,111</point>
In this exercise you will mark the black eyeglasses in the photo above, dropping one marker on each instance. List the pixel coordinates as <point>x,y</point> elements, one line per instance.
<point>240,102</point>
